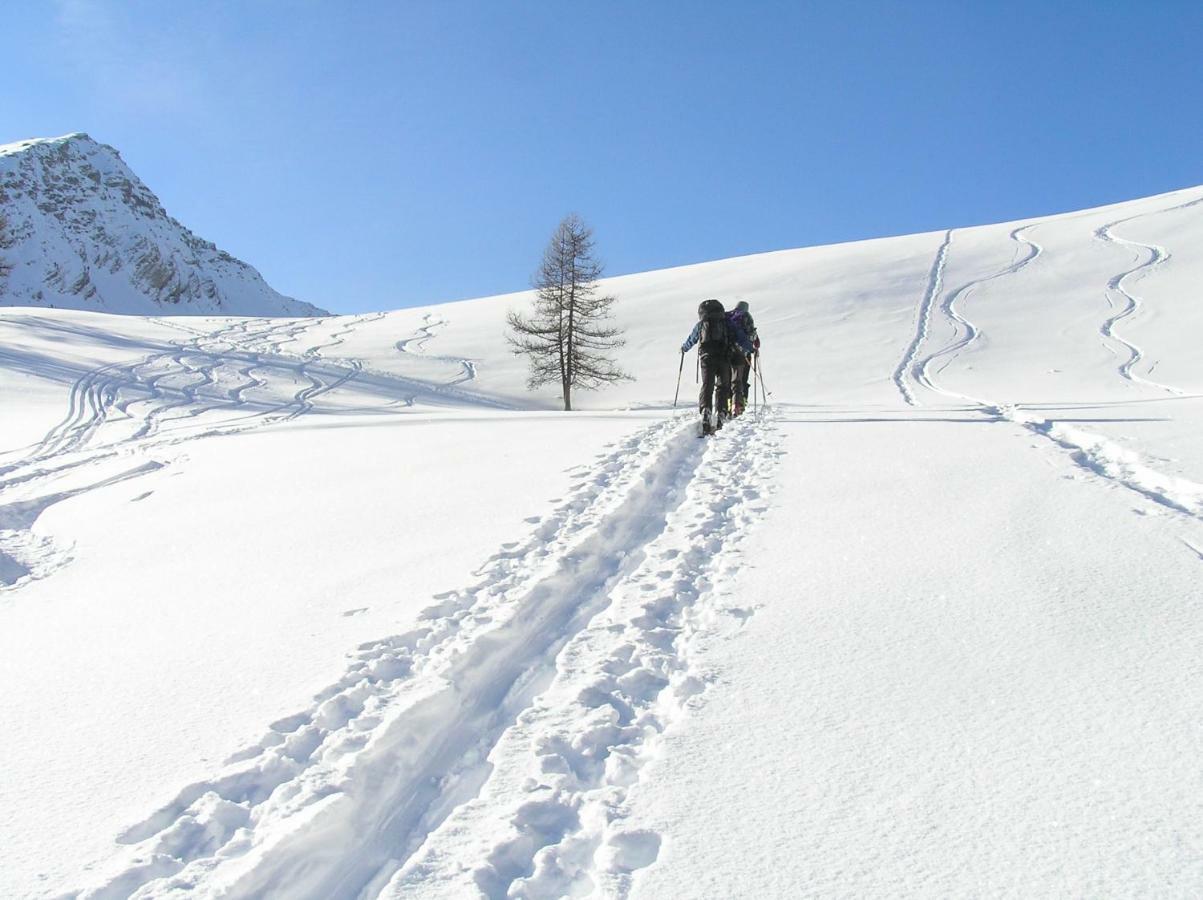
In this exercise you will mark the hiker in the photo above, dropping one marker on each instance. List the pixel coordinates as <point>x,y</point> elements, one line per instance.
<point>741,363</point>
<point>715,335</point>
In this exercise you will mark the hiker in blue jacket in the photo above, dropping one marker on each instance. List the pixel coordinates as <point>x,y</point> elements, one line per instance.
<point>715,336</point>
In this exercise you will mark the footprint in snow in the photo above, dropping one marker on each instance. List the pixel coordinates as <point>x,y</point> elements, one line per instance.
<point>630,850</point>
<point>354,612</point>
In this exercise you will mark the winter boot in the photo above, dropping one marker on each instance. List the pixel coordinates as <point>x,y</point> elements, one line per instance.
<point>706,429</point>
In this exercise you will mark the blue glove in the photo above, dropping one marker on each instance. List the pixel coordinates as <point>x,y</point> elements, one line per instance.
<point>684,348</point>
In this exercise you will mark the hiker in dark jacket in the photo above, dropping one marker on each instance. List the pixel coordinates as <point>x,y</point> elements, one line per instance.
<point>741,363</point>
<point>715,336</point>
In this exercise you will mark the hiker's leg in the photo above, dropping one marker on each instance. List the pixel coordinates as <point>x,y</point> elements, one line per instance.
<point>724,387</point>
<point>705,397</point>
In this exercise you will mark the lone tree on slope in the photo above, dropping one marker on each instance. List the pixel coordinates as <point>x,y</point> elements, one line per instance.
<point>568,337</point>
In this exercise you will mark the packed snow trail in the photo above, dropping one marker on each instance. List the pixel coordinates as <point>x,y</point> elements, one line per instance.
<point>550,820</point>
<point>336,800</point>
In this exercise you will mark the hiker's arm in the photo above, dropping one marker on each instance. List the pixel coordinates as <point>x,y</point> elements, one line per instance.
<point>693,338</point>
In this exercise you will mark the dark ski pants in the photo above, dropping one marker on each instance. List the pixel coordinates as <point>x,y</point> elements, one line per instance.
<point>739,379</point>
<point>716,379</point>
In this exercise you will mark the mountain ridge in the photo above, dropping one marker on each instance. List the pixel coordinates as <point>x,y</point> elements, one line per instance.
<point>84,232</point>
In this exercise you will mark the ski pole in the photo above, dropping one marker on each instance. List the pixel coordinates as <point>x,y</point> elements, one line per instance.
<point>755,360</point>
<point>764,388</point>
<point>680,369</point>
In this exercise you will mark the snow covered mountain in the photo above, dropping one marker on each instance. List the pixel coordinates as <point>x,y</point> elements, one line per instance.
<point>334,608</point>
<point>82,232</point>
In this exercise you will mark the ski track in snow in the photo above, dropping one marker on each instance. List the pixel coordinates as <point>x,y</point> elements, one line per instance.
<point>923,322</point>
<point>559,669</point>
<point>965,332</point>
<point>1157,255</point>
<point>425,332</point>
<point>152,405</point>
<point>1101,456</point>
<point>1115,463</point>
<point>1098,455</point>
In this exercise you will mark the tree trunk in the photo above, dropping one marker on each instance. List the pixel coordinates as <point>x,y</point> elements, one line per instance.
<point>569,336</point>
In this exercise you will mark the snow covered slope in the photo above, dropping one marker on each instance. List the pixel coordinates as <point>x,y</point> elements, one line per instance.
<point>84,233</point>
<point>332,607</point>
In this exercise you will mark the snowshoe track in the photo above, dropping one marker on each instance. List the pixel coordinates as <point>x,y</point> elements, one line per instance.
<point>594,613</point>
<point>551,820</point>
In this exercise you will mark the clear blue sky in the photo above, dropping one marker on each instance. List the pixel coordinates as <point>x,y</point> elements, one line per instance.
<point>372,155</point>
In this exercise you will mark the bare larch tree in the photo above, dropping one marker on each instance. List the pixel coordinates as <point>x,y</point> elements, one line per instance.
<point>568,337</point>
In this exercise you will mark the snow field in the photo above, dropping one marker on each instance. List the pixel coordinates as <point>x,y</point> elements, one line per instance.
<point>955,657</point>
<point>988,695</point>
<point>233,570</point>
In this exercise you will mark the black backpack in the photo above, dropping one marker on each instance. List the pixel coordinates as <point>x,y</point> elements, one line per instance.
<point>715,334</point>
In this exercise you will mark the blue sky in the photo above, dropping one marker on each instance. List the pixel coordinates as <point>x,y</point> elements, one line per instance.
<point>373,155</point>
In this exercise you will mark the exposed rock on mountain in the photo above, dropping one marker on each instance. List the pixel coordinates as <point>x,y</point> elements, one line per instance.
<point>79,230</point>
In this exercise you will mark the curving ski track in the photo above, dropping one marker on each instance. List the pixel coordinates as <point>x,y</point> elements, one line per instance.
<point>1131,303</point>
<point>966,332</point>
<point>242,368</point>
<point>592,616</point>
<point>426,331</point>
<point>1097,455</point>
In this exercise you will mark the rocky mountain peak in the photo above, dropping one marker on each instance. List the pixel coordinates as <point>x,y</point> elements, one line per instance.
<point>82,231</point>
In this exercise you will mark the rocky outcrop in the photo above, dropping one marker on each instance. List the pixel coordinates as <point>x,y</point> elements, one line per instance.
<point>79,230</point>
